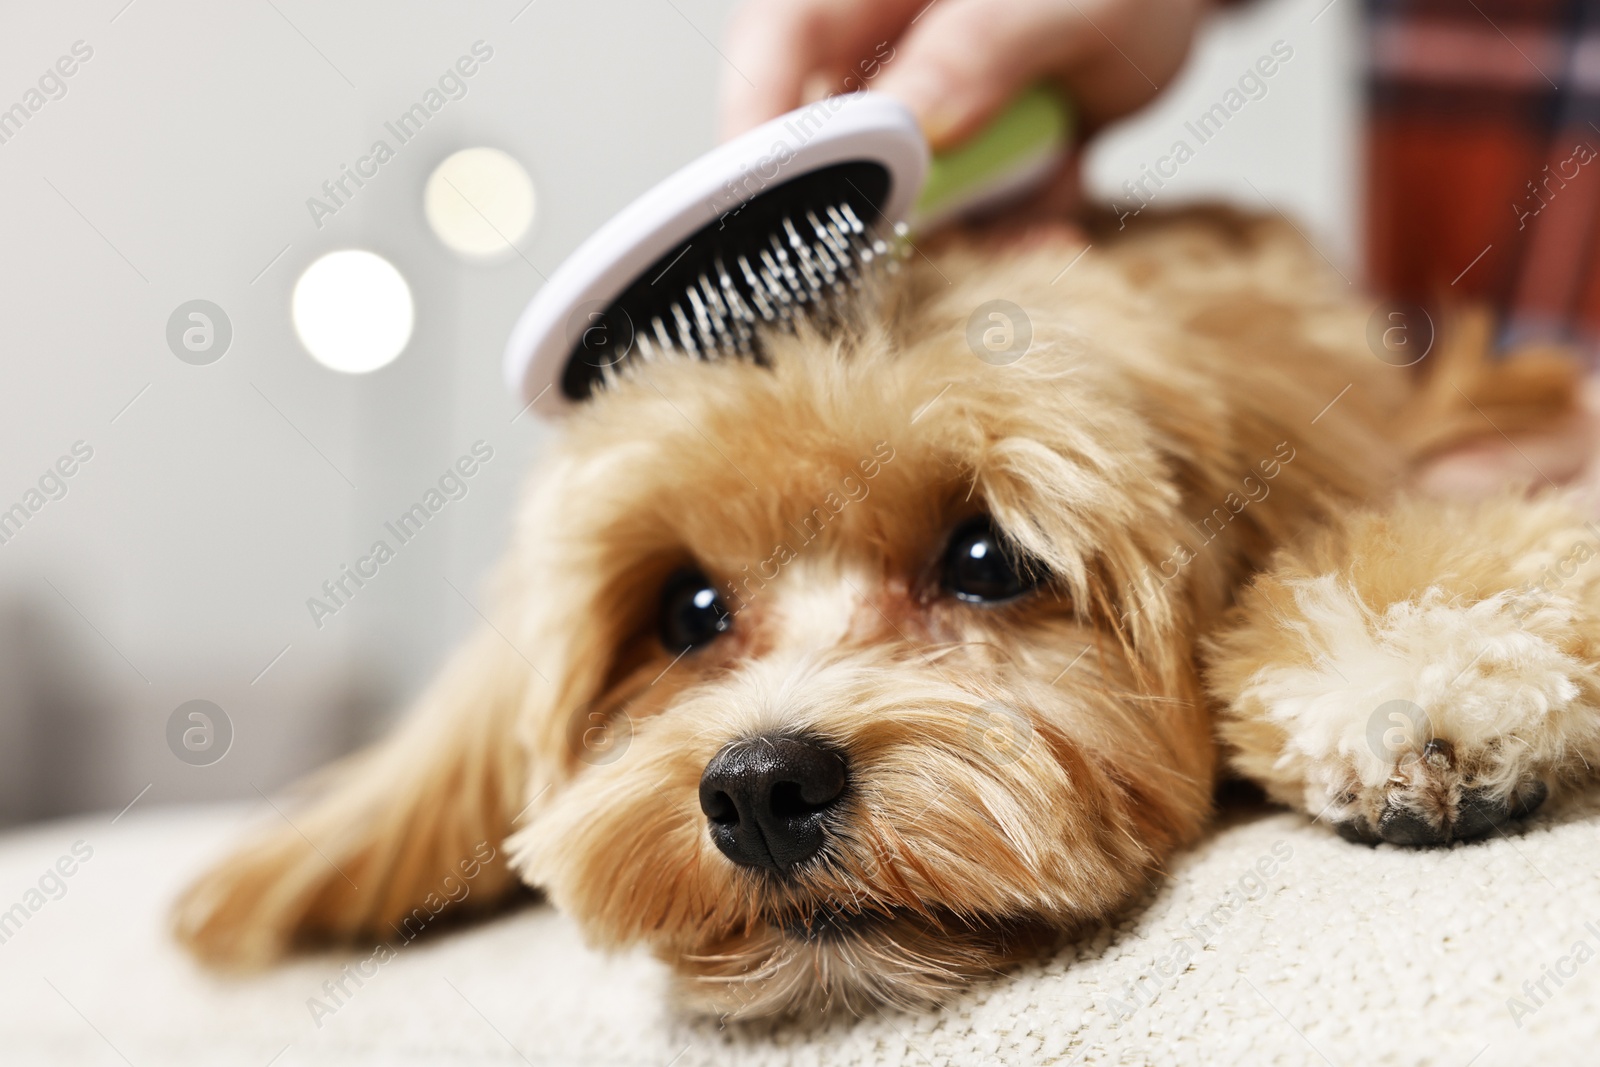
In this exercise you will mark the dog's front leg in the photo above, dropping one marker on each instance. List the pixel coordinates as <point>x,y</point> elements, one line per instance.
<point>1421,673</point>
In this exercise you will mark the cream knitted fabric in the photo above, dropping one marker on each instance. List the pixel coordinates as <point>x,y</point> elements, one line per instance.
<point>1273,943</point>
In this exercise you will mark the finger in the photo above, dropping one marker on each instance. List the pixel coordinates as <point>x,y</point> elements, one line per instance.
<point>1564,452</point>
<point>774,48</point>
<point>963,59</point>
<point>770,49</point>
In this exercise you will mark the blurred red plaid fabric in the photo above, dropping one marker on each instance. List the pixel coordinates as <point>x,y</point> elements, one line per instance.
<point>1483,160</point>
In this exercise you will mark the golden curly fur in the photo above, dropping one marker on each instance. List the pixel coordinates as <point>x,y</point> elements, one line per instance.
<point>1198,406</point>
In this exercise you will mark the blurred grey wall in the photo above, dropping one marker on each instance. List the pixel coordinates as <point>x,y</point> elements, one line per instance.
<point>176,164</point>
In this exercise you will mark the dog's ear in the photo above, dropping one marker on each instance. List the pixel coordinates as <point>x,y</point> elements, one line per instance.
<point>392,834</point>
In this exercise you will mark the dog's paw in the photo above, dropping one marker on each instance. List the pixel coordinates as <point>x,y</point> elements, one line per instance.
<point>1438,793</point>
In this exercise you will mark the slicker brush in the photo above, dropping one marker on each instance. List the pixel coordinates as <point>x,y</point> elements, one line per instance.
<point>780,226</point>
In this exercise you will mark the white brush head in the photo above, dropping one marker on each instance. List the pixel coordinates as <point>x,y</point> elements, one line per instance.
<point>697,212</point>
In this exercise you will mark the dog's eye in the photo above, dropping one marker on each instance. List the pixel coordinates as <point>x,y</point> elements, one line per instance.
<point>980,567</point>
<point>691,611</point>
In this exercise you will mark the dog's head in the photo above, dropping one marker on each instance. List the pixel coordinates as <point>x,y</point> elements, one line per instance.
<point>846,678</point>
<point>869,670</point>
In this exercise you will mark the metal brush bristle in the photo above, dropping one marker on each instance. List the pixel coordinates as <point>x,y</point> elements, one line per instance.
<point>798,252</point>
<point>805,270</point>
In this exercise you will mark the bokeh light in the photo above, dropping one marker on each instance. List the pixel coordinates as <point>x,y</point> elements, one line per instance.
<point>480,203</point>
<point>352,311</point>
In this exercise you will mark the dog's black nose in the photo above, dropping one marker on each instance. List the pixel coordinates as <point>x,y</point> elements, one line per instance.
<point>766,799</point>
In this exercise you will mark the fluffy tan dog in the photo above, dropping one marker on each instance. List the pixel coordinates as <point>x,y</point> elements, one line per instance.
<point>852,677</point>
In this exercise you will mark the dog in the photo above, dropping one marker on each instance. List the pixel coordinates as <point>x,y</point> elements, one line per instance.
<point>851,675</point>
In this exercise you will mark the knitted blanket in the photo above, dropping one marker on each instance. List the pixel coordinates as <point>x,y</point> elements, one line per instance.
<point>1273,942</point>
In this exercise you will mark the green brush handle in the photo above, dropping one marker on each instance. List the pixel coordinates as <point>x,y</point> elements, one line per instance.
<point>1033,128</point>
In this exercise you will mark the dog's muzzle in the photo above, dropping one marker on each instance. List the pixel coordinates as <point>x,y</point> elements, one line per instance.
<point>767,799</point>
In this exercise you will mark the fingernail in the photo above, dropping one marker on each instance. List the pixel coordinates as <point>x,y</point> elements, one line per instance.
<point>928,96</point>
<point>941,124</point>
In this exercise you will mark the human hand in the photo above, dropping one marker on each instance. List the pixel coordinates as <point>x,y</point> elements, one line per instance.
<point>955,63</point>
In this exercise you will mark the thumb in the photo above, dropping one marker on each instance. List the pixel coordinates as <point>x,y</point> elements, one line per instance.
<point>962,60</point>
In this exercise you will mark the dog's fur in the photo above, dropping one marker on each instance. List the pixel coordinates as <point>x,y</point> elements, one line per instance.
<point>1201,452</point>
